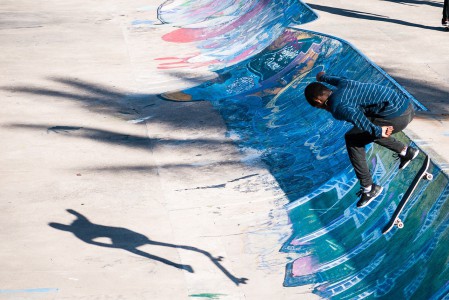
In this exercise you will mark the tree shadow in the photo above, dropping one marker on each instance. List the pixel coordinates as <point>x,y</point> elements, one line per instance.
<point>126,105</point>
<point>128,240</point>
<point>108,100</point>
<point>368,16</point>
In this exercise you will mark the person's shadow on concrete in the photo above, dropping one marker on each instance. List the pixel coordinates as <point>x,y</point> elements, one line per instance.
<point>122,238</point>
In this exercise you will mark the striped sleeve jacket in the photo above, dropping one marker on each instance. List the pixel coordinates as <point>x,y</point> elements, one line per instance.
<point>356,102</point>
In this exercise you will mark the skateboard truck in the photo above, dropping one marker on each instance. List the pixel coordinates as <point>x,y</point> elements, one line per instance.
<point>398,223</point>
<point>428,176</point>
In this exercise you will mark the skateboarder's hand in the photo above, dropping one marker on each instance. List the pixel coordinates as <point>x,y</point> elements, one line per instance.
<point>318,76</point>
<point>387,131</point>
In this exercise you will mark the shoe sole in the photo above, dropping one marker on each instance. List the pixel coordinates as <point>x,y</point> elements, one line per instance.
<point>371,200</point>
<point>406,164</point>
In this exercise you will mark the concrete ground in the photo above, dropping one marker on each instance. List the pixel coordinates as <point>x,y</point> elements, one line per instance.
<point>92,159</point>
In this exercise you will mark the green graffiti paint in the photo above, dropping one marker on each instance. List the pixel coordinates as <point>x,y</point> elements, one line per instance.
<point>207,296</point>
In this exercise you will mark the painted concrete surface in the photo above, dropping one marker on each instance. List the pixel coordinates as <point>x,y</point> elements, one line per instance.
<point>112,193</point>
<point>341,249</point>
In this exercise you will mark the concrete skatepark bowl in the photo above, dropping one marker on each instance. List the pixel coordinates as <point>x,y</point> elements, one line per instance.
<point>339,248</point>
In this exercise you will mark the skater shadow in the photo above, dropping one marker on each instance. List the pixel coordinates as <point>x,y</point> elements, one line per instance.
<point>122,238</point>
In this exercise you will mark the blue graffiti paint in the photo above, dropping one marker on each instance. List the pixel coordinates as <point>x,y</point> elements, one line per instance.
<point>143,22</point>
<point>40,290</point>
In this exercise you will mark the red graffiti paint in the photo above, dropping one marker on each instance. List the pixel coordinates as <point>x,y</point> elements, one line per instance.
<point>184,35</point>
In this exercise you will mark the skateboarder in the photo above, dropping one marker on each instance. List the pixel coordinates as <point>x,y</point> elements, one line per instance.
<point>376,112</point>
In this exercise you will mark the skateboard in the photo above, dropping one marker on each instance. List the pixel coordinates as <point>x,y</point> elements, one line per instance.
<point>422,174</point>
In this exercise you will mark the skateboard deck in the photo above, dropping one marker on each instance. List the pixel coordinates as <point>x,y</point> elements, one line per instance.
<point>422,174</point>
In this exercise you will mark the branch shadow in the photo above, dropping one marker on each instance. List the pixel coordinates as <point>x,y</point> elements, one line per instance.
<point>128,240</point>
<point>95,97</point>
<point>115,138</point>
<point>417,2</point>
<point>368,16</point>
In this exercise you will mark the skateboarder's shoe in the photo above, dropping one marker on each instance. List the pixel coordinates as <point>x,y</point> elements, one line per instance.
<point>366,198</point>
<point>445,22</point>
<point>410,155</point>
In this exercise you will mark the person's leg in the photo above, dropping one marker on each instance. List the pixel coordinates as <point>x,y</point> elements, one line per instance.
<point>445,11</point>
<point>356,140</point>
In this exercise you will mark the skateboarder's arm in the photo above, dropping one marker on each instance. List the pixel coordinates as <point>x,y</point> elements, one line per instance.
<point>332,80</point>
<point>359,120</point>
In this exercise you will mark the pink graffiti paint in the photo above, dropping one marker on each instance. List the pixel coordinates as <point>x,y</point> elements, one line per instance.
<point>182,62</point>
<point>304,266</point>
<point>184,35</point>
<point>220,36</point>
<point>296,242</point>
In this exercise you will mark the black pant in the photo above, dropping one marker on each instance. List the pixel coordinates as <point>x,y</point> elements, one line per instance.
<point>445,10</point>
<point>356,140</point>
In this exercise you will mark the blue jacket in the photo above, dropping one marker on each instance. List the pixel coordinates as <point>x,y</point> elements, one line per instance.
<point>354,102</point>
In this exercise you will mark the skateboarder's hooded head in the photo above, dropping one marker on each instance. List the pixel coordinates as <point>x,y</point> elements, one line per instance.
<point>317,95</point>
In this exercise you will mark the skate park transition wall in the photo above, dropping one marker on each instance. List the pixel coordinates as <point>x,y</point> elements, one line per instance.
<point>263,63</point>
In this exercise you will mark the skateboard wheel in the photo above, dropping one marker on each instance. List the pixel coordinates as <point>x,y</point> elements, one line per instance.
<point>398,223</point>
<point>428,176</point>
